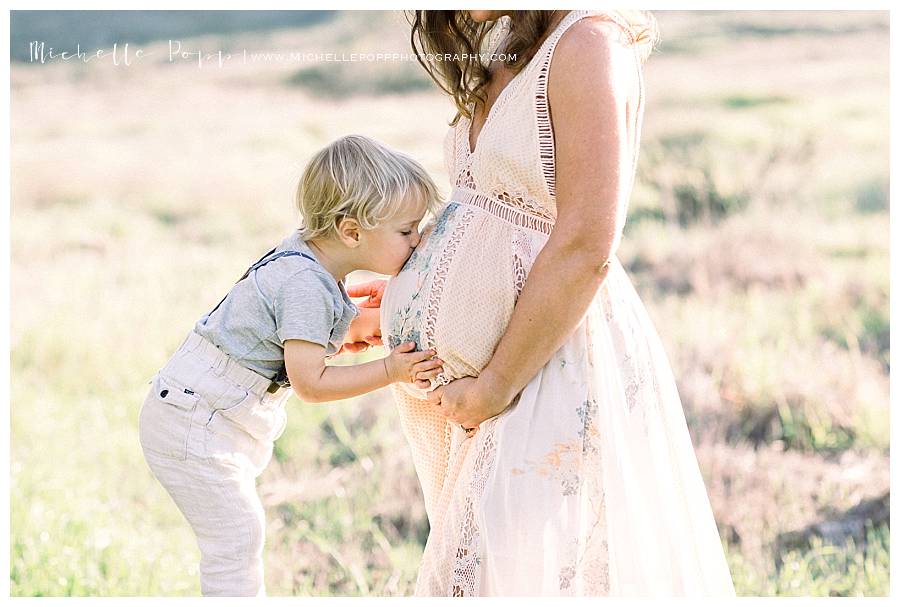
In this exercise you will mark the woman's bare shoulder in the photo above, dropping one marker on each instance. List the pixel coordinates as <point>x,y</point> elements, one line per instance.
<point>593,33</point>
<point>595,53</point>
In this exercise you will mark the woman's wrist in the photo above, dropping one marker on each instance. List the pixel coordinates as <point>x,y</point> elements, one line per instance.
<point>495,390</point>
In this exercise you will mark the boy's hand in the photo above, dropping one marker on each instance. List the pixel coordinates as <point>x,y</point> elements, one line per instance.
<point>417,368</point>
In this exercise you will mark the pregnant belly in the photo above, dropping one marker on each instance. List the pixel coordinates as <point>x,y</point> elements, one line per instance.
<point>457,292</point>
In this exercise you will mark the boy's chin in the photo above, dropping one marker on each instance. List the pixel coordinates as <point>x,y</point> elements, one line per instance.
<point>389,271</point>
<point>384,272</point>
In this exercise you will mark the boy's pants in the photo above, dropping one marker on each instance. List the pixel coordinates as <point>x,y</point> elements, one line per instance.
<point>207,428</point>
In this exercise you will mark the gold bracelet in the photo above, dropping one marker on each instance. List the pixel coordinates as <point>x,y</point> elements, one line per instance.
<point>384,364</point>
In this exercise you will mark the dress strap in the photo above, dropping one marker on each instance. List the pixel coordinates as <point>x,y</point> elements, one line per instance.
<point>546,144</point>
<point>498,34</point>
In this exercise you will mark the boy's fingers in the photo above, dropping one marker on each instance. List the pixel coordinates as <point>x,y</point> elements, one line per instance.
<point>407,347</point>
<point>427,375</point>
<point>422,384</point>
<point>427,365</point>
<point>426,355</point>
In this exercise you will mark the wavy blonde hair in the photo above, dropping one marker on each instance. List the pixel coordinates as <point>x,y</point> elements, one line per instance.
<point>455,33</point>
<point>358,177</point>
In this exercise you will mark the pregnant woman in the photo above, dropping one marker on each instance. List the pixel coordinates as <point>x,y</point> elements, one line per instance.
<point>554,456</point>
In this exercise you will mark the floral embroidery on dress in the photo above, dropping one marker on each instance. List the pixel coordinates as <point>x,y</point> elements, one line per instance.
<point>404,327</point>
<point>587,561</point>
<point>565,459</point>
<point>631,381</point>
<point>588,432</point>
<point>586,569</point>
<point>404,324</point>
<point>565,577</point>
<point>420,260</point>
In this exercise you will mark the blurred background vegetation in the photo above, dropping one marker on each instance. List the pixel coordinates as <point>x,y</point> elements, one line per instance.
<point>757,238</point>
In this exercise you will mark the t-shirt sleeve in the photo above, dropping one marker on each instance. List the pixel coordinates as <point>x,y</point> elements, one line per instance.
<point>304,308</point>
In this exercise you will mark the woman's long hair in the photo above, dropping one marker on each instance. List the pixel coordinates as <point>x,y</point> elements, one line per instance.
<point>454,33</point>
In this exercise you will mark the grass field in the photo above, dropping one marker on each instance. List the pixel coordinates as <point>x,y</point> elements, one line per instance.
<point>757,238</point>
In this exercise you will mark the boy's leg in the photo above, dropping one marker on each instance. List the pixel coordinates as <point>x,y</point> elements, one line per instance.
<point>222,507</point>
<point>206,428</point>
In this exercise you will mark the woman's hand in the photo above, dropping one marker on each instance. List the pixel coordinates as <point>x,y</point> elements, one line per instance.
<point>467,401</point>
<point>374,290</point>
<point>365,329</point>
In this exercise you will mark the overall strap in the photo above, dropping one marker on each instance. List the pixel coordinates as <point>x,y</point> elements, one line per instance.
<point>260,263</point>
<point>279,255</point>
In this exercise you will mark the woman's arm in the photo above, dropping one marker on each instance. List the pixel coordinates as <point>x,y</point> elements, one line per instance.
<point>589,84</point>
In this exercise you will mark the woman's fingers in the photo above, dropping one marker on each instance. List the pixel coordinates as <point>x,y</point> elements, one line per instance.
<point>357,346</point>
<point>374,289</point>
<point>434,397</point>
<point>363,289</point>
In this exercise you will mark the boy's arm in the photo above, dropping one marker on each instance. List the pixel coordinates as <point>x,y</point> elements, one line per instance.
<point>315,382</point>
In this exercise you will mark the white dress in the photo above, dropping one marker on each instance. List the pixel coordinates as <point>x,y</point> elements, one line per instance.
<point>588,484</point>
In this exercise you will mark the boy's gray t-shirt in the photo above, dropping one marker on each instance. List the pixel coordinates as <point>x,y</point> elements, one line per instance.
<point>291,297</point>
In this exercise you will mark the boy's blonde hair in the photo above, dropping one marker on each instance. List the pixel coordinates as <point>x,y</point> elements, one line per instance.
<point>358,177</point>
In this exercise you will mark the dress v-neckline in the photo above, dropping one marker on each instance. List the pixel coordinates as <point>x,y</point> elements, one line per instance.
<point>500,96</point>
<point>470,149</point>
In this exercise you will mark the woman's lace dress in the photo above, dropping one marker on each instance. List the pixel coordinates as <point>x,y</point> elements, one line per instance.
<point>588,484</point>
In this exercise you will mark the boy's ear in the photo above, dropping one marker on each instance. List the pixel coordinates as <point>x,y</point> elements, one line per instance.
<point>348,231</point>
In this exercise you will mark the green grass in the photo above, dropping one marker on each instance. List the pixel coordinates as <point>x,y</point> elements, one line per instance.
<point>335,83</point>
<point>823,570</point>
<point>847,571</point>
<point>743,101</point>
